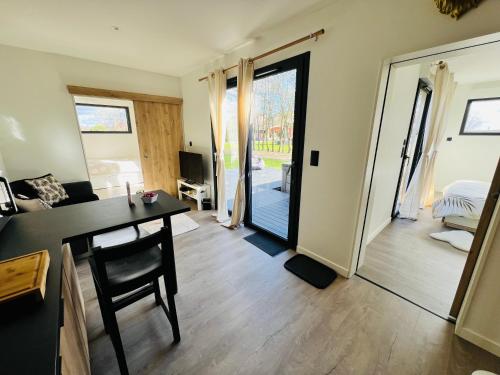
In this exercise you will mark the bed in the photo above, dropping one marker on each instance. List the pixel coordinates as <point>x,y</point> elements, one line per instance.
<point>461,204</point>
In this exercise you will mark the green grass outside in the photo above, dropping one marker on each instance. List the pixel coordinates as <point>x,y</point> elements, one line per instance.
<point>261,146</point>
<point>268,162</point>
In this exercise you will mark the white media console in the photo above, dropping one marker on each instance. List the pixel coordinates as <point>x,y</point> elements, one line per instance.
<point>194,191</point>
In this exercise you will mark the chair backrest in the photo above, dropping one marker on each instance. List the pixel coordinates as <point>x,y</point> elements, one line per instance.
<point>102,255</point>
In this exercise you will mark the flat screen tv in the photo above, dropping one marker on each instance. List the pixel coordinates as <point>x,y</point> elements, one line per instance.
<point>191,166</point>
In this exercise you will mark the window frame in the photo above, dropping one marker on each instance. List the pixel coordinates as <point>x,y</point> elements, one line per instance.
<point>127,112</point>
<point>466,116</point>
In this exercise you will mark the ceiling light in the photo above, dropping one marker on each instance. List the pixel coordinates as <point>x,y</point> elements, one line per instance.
<point>116,28</point>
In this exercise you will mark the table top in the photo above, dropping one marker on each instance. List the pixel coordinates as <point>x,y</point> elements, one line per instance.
<point>29,333</point>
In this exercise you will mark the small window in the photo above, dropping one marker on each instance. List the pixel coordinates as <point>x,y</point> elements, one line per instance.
<point>97,118</point>
<point>482,117</point>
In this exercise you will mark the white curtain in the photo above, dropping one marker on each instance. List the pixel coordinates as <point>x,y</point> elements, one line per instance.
<point>420,192</point>
<point>216,95</point>
<point>245,87</point>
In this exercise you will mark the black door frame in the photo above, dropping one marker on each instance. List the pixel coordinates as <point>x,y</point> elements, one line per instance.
<point>422,85</point>
<point>301,63</point>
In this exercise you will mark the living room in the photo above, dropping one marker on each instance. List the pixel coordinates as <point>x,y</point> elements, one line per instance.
<point>313,156</point>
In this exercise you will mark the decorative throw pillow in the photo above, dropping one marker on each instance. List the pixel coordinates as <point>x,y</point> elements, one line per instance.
<point>25,204</point>
<point>48,188</point>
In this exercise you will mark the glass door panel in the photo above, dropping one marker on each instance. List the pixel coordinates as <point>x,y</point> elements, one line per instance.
<point>271,145</point>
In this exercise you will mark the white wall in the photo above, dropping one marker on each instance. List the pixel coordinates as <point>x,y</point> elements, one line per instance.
<point>467,157</point>
<point>478,321</point>
<point>38,128</point>
<point>197,127</point>
<point>396,122</point>
<point>344,74</point>
<point>3,170</point>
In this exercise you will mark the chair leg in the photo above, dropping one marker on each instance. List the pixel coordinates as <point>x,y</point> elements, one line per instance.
<point>173,313</point>
<point>114,333</point>
<point>101,307</point>
<point>156,286</point>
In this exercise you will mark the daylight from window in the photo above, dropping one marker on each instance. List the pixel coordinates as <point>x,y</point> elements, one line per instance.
<point>483,117</point>
<point>271,141</point>
<point>95,118</point>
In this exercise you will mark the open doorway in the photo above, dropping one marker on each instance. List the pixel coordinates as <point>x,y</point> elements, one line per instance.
<point>437,152</point>
<point>109,137</point>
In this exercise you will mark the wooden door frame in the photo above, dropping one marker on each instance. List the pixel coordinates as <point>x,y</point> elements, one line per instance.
<point>477,243</point>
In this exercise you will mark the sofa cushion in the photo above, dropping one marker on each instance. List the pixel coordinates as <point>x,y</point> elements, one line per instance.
<point>31,205</point>
<point>48,188</point>
<point>20,187</point>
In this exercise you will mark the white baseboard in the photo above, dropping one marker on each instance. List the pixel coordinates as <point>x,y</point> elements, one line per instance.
<point>342,271</point>
<point>479,340</point>
<point>376,232</point>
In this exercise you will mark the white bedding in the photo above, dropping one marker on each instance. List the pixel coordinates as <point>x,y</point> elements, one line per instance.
<point>462,198</point>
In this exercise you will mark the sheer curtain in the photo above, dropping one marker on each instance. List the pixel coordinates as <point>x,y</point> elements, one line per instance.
<point>216,95</point>
<point>245,87</point>
<point>444,89</point>
<point>421,189</point>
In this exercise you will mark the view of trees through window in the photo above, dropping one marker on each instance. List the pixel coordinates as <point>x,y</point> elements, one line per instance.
<point>482,117</point>
<point>271,137</point>
<point>103,118</point>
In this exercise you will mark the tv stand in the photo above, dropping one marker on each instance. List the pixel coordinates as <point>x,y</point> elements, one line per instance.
<point>186,188</point>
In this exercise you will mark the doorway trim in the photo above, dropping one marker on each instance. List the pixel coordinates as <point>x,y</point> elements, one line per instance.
<point>431,54</point>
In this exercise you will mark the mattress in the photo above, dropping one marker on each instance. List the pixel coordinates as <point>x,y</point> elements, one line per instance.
<point>462,198</point>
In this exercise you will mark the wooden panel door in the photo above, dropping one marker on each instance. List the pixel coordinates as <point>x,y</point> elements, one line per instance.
<point>160,135</point>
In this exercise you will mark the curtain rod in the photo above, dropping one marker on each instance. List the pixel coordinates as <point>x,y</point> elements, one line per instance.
<point>285,46</point>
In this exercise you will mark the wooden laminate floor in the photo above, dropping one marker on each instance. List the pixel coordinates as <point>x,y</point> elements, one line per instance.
<point>404,259</point>
<point>241,312</point>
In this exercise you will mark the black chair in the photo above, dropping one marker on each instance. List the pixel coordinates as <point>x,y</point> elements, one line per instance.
<point>133,268</point>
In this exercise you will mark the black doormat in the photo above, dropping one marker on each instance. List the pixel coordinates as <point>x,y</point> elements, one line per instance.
<point>309,270</point>
<point>266,243</point>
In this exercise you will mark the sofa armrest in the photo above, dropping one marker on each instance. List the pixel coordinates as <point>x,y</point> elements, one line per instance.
<point>80,191</point>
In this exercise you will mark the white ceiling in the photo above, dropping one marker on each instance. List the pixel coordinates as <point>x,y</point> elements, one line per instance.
<point>164,36</point>
<point>482,66</point>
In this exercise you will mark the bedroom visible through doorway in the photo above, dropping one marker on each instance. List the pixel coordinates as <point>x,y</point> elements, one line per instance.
<point>437,152</point>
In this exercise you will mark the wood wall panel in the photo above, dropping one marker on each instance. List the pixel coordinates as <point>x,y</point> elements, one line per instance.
<point>160,135</point>
<point>89,91</point>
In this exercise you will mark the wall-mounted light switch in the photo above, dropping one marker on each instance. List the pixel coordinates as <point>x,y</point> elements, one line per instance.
<point>314,158</point>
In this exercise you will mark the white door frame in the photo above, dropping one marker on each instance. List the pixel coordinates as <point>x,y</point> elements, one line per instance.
<point>427,55</point>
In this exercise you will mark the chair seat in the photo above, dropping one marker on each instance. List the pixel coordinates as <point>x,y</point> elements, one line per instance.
<point>127,274</point>
<point>118,237</point>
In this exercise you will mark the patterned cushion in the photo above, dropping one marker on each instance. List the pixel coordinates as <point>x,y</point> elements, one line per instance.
<point>48,188</point>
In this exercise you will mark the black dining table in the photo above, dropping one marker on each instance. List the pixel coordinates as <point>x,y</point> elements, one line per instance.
<point>29,334</point>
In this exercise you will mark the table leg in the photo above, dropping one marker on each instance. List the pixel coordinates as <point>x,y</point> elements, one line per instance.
<point>168,225</point>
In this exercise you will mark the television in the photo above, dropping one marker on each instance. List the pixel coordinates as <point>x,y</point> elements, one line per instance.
<point>191,167</point>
